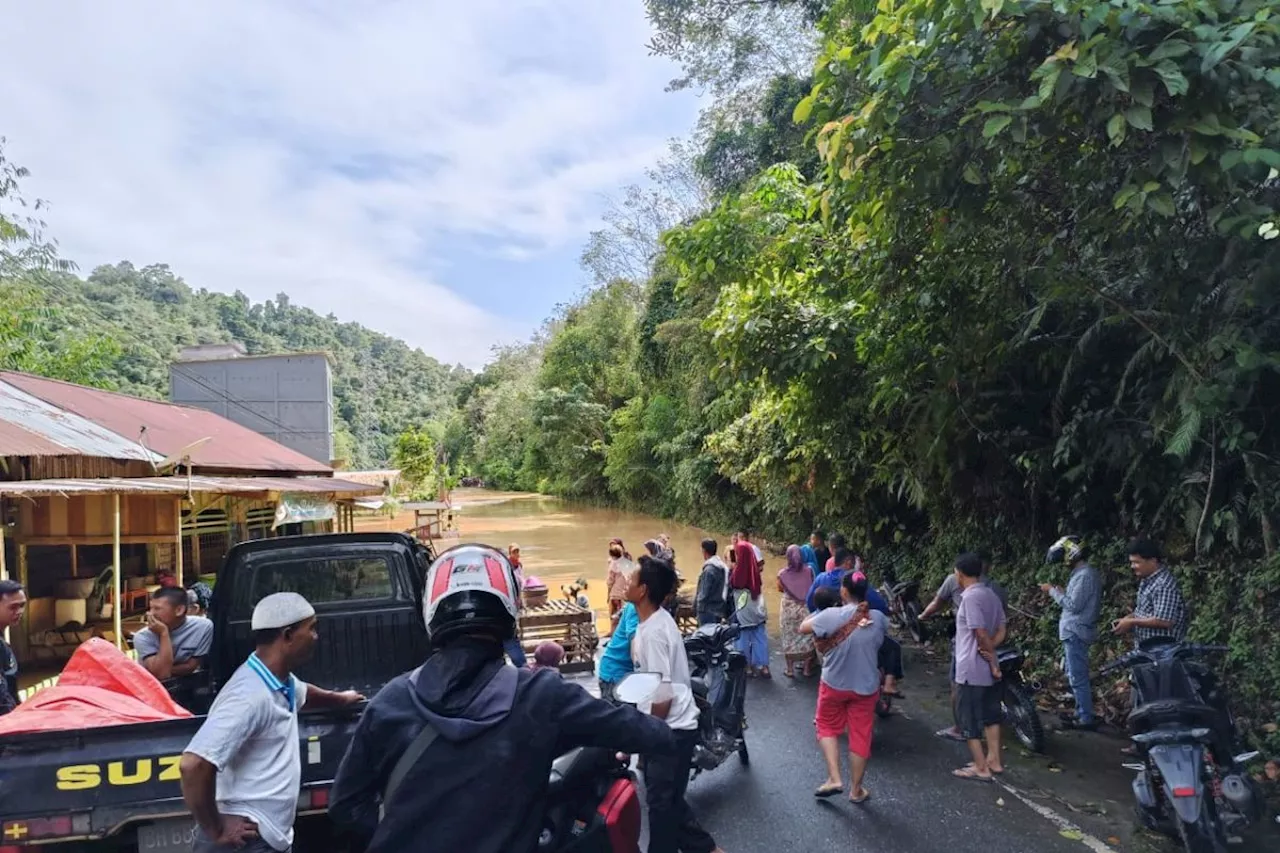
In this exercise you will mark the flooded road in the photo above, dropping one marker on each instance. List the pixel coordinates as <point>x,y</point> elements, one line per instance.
<point>561,542</point>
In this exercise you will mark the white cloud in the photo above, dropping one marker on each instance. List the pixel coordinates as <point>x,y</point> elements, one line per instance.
<point>331,149</point>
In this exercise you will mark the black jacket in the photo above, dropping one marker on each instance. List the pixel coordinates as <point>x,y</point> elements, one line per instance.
<point>481,786</point>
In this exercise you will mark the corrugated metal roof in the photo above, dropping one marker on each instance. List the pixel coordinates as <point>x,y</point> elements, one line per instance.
<point>180,485</point>
<point>30,426</point>
<point>371,478</point>
<point>170,429</point>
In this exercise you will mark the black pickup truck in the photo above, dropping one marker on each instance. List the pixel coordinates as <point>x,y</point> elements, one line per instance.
<point>117,788</point>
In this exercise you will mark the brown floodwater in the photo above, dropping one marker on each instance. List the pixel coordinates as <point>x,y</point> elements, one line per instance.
<point>561,541</point>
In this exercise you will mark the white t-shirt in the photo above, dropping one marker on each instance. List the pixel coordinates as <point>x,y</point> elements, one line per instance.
<point>759,553</point>
<point>658,647</point>
<point>251,736</point>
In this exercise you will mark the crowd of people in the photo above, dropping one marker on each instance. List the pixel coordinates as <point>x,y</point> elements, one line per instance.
<point>241,773</point>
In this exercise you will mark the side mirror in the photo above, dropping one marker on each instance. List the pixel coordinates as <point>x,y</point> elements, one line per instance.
<point>638,687</point>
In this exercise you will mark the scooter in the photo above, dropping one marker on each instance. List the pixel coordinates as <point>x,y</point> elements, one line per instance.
<point>1019,707</point>
<point>592,805</point>
<point>903,598</point>
<point>1189,784</point>
<point>718,675</point>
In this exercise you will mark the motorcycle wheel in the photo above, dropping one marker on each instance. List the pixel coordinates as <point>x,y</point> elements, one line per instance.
<point>1021,714</point>
<point>914,626</point>
<point>1205,835</point>
<point>744,757</point>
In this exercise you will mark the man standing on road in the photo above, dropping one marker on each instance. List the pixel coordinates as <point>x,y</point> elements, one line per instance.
<point>659,648</point>
<point>1161,610</point>
<point>173,643</point>
<point>1081,603</point>
<point>13,600</point>
<point>242,771</point>
<point>979,621</point>
<point>948,595</point>
<point>457,753</point>
<point>713,586</point>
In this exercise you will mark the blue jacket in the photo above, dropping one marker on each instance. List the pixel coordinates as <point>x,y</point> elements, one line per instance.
<point>833,579</point>
<point>481,786</point>
<point>615,660</point>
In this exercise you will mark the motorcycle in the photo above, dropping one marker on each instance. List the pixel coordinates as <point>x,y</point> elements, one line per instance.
<point>1020,711</point>
<point>1189,785</point>
<point>903,598</point>
<point>593,805</point>
<point>718,675</point>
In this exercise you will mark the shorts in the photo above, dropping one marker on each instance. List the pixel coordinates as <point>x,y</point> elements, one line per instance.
<point>843,710</point>
<point>977,708</point>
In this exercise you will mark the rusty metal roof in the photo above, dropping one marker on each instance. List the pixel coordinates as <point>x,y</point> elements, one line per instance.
<point>169,429</point>
<point>181,485</point>
<point>30,426</point>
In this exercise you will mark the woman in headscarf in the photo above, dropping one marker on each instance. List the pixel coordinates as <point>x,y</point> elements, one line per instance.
<point>794,581</point>
<point>749,609</point>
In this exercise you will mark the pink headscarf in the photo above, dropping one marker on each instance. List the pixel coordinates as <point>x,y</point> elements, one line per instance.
<point>796,577</point>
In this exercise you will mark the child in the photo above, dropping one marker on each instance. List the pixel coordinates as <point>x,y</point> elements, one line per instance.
<point>824,597</point>
<point>618,579</point>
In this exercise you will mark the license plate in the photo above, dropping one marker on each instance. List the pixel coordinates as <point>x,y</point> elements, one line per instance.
<point>167,835</point>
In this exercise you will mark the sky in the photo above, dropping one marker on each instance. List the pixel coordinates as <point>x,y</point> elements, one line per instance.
<point>429,169</point>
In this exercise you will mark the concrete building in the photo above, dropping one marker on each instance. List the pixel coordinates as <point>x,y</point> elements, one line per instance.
<point>288,398</point>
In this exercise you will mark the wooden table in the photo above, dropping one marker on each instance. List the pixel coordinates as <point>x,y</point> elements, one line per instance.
<point>569,625</point>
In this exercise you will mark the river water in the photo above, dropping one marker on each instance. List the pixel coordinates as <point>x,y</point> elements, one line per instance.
<point>561,541</point>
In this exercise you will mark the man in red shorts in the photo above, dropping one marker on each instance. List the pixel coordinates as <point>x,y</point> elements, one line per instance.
<point>849,639</point>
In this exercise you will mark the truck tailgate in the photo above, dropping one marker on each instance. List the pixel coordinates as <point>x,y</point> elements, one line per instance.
<point>95,783</point>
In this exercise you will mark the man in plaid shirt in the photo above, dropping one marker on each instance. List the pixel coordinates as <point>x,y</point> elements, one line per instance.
<point>1161,610</point>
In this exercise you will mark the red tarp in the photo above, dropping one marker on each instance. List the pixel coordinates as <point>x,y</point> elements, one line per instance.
<point>99,687</point>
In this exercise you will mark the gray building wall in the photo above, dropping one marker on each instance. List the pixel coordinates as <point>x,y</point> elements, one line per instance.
<point>288,398</point>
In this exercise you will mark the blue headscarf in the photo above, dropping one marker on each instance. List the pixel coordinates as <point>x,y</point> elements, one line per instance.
<point>811,557</point>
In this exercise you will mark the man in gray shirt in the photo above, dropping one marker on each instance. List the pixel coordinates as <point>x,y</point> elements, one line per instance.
<point>242,772</point>
<point>1081,602</point>
<point>173,643</point>
<point>979,622</point>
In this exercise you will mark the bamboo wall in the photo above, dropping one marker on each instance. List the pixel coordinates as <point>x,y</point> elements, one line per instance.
<point>90,519</point>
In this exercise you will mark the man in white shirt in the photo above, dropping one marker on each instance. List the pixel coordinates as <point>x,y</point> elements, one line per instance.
<point>242,772</point>
<point>658,647</point>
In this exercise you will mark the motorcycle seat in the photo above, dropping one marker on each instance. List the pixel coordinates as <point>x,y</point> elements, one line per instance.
<point>1162,712</point>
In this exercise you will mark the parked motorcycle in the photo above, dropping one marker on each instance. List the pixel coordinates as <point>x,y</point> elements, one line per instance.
<point>593,806</point>
<point>718,673</point>
<point>903,598</point>
<point>1017,701</point>
<point>1189,785</point>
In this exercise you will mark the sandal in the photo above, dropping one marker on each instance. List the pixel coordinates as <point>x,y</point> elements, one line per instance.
<point>857,801</point>
<point>824,791</point>
<point>994,772</point>
<point>765,673</point>
<point>972,775</point>
<point>789,672</point>
<point>950,734</point>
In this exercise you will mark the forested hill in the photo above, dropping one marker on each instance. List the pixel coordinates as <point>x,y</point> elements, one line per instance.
<point>142,317</point>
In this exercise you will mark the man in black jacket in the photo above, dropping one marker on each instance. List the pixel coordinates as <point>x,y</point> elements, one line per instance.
<point>480,786</point>
<point>13,600</point>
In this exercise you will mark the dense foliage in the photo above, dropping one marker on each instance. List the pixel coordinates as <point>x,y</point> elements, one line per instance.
<point>993,272</point>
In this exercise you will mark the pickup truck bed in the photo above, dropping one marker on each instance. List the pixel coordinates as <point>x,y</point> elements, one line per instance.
<point>65,788</point>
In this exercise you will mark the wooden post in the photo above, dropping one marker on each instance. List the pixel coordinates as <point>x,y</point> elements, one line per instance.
<point>4,571</point>
<point>116,580</point>
<point>177,556</point>
<point>26,613</point>
<point>75,561</point>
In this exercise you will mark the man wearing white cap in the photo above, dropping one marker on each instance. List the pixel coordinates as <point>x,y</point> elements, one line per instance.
<point>242,772</point>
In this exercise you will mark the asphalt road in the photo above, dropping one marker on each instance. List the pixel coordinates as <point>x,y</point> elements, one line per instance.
<point>916,805</point>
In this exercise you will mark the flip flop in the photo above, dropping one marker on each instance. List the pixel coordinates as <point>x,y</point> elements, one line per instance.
<point>994,772</point>
<point>949,734</point>
<point>789,673</point>
<point>866,795</point>
<point>971,775</point>
<point>824,791</point>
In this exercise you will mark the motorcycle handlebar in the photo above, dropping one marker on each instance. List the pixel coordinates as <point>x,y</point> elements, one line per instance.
<point>1139,657</point>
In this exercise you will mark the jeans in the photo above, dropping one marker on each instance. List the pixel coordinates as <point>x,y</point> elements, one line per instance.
<point>514,651</point>
<point>1076,658</point>
<point>202,844</point>
<point>672,825</point>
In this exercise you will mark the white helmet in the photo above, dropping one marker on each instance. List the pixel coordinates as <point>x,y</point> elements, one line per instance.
<point>470,589</point>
